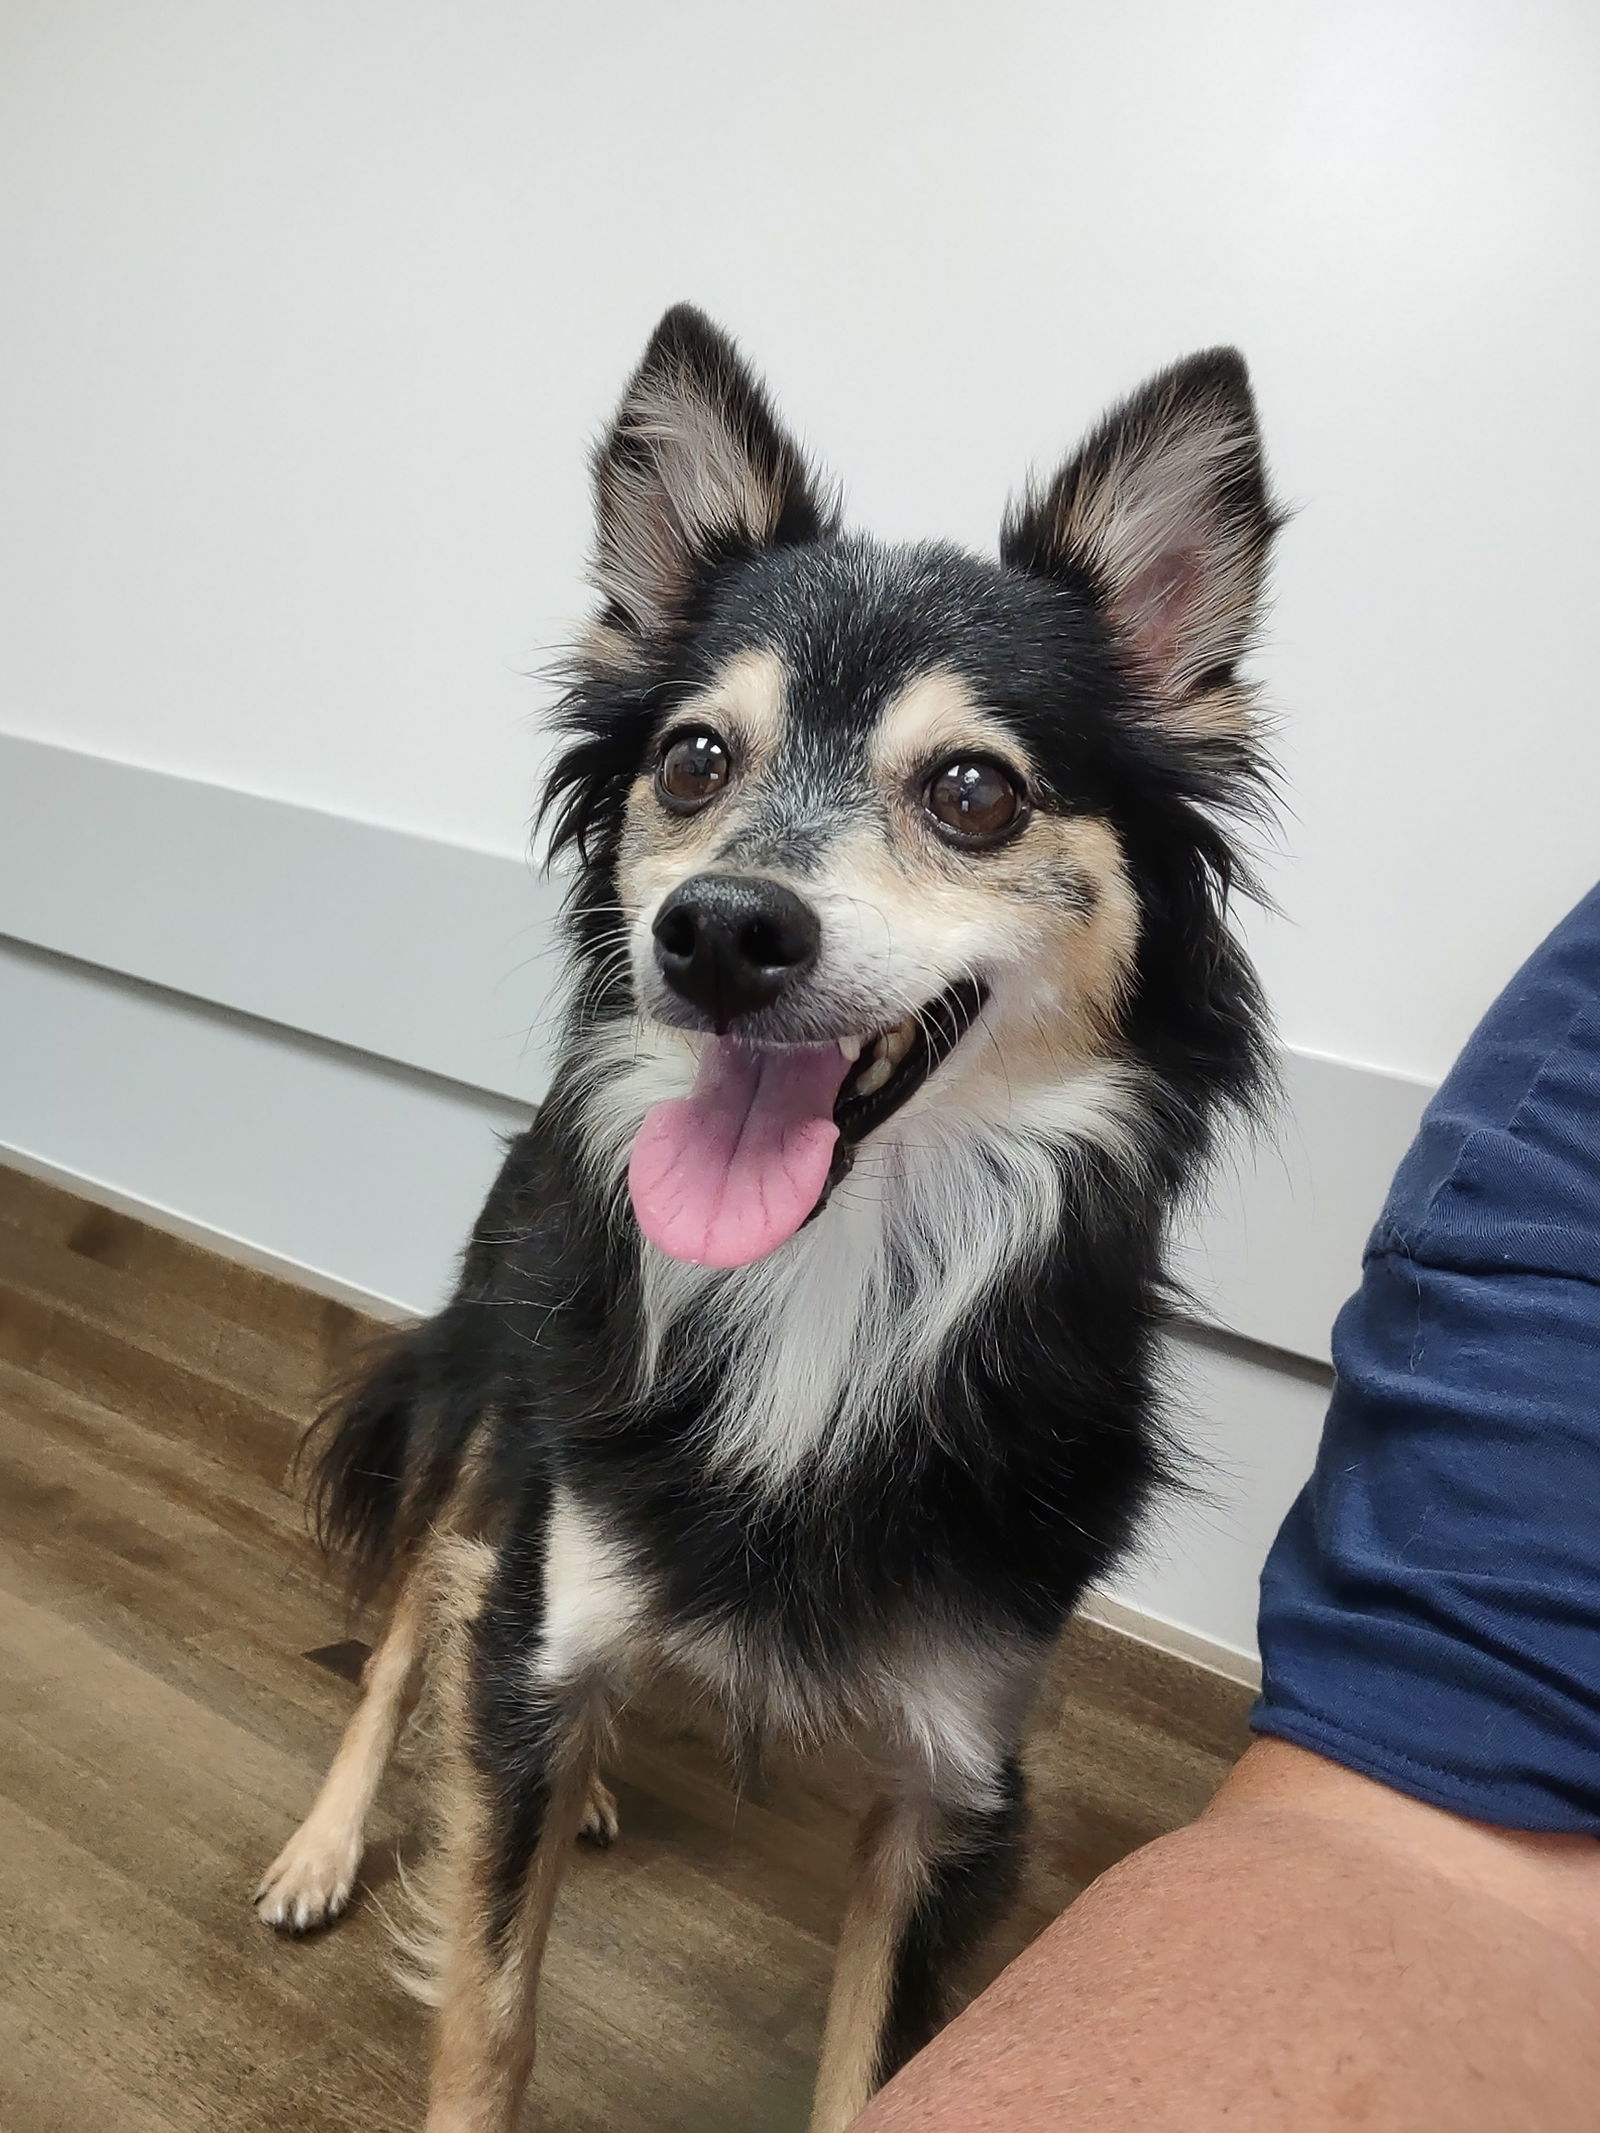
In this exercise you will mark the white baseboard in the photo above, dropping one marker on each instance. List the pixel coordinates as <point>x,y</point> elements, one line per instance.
<point>222,1242</point>
<point>1173,1638</point>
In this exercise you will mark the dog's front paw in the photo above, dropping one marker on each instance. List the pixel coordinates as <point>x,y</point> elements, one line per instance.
<point>310,1881</point>
<point>599,1824</point>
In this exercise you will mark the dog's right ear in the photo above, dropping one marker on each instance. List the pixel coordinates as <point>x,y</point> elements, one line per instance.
<point>694,471</point>
<point>1164,519</point>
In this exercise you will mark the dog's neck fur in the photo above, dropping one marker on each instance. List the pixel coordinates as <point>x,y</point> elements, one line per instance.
<point>804,1356</point>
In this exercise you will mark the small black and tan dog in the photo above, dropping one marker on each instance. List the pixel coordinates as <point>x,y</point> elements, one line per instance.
<point>806,1349</point>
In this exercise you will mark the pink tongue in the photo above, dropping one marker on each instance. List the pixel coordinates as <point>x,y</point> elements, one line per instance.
<point>728,1174</point>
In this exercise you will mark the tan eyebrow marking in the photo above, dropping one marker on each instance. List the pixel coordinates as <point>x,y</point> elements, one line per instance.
<point>746,700</point>
<point>937,715</point>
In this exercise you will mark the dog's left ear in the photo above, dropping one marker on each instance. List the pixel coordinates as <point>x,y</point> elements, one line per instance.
<point>1164,519</point>
<point>695,470</point>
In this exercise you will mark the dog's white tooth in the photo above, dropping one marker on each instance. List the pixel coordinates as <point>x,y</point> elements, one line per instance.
<point>894,1044</point>
<point>851,1048</point>
<point>869,1083</point>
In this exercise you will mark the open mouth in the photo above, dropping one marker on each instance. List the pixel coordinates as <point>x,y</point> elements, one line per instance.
<point>890,1067</point>
<point>723,1176</point>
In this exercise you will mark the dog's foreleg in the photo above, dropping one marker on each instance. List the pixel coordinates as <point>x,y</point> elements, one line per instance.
<point>518,1737</point>
<point>931,1875</point>
<point>495,1887</point>
<point>310,1881</point>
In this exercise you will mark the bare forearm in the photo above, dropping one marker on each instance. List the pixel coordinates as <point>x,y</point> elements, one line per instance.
<point>1313,1953</point>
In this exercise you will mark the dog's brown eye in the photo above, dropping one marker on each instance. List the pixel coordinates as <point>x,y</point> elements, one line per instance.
<point>974,801</point>
<point>693,770</point>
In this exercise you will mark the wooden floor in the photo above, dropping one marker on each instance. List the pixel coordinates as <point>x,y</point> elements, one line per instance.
<point>163,1724</point>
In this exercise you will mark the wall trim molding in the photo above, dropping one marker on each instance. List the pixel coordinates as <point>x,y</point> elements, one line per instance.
<point>449,944</point>
<point>439,957</point>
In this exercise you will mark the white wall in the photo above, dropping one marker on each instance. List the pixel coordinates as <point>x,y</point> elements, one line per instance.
<point>307,313</point>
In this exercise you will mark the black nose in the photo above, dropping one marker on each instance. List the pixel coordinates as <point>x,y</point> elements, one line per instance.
<point>730,943</point>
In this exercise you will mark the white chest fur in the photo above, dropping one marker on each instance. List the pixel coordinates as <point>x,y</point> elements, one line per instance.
<point>827,1340</point>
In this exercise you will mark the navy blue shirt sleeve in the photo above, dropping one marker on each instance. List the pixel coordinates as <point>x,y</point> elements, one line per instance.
<point>1430,1612</point>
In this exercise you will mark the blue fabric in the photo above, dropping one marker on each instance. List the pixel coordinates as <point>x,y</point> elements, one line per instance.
<point>1430,1612</point>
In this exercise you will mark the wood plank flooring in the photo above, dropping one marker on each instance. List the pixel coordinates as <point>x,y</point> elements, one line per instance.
<point>163,1725</point>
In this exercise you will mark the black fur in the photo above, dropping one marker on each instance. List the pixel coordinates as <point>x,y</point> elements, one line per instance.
<point>514,1732</point>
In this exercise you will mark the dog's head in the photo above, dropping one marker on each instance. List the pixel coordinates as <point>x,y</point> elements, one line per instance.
<point>879,823</point>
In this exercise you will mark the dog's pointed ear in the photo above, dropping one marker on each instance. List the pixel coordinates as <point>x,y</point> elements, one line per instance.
<point>1164,519</point>
<point>695,469</point>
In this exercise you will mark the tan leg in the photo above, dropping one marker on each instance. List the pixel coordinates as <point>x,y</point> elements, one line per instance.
<point>929,1878</point>
<point>310,1881</point>
<point>488,1982</point>
<point>512,1801</point>
<point>887,1877</point>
